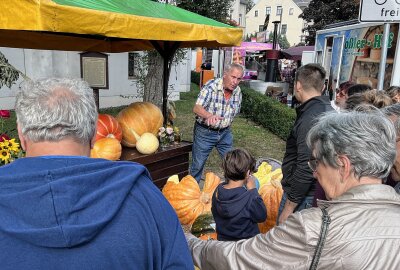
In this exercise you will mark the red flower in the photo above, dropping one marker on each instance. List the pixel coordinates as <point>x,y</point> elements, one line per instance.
<point>4,114</point>
<point>4,137</point>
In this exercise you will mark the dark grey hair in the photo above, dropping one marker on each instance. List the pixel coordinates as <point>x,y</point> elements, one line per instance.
<point>367,139</point>
<point>311,76</point>
<point>393,111</point>
<point>54,109</point>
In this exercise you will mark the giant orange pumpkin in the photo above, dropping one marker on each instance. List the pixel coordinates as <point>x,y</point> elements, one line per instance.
<point>108,148</point>
<point>271,194</point>
<point>187,199</point>
<point>139,117</point>
<point>108,127</point>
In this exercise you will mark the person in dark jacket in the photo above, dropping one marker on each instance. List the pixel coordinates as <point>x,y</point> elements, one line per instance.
<point>61,209</point>
<point>393,112</point>
<point>298,182</point>
<point>236,205</point>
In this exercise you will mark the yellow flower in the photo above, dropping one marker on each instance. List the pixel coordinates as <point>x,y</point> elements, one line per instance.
<point>11,145</point>
<point>4,155</point>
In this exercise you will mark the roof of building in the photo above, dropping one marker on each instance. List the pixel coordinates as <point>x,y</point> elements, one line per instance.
<point>302,3</point>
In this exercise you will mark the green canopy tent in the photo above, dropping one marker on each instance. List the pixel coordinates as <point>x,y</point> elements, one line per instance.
<point>110,26</point>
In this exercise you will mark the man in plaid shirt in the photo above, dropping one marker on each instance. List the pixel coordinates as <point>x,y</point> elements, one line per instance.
<point>217,104</point>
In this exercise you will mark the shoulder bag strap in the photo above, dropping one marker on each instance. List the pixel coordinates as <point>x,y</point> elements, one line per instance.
<point>326,220</point>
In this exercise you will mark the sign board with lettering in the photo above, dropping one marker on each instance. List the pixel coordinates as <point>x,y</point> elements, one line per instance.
<point>357,58</point>
<point>94,69</point>
<point>379,11</point>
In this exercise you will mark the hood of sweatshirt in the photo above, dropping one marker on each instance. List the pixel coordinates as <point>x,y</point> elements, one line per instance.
<point>63,201</point>
<point>232,201</point>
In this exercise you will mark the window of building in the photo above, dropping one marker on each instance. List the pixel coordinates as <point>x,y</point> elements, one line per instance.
<point>240,19</point>
<point>268,10</point>
<point>256,13</point>
<point>260,28</point>
<point>279,10</point>
<point>291,11</point>
<point>133,65</point>
<point>284,29</point>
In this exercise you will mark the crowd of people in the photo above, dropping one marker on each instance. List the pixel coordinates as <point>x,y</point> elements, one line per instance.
<point>340,163</point>
<point>60,209</point>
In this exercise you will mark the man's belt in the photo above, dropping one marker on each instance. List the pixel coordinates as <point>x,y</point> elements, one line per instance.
<point>211,128</point>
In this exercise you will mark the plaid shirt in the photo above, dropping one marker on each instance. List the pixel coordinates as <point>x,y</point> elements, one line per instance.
<point>211,98</point>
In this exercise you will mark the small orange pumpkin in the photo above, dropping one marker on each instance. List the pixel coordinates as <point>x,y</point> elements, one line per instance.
<point>108,127</point>
<point>108,148</point>
<point>187,199</point>
<point>139,118</point>
<point>271,194</point>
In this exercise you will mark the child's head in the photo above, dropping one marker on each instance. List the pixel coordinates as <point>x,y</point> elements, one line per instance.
<point>237,163</point>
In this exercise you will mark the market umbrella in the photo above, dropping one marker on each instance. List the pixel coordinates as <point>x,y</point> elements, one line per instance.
<point>295,53</point>
<point>110,26</point>
<point>255,46</point>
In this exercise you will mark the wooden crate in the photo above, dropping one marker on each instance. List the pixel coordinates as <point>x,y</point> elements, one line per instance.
<point>163,163</point>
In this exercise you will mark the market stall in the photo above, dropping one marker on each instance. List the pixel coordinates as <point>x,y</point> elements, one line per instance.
<point>110,26</point>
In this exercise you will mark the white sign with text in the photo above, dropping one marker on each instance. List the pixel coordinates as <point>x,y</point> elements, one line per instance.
<point>379,11</point>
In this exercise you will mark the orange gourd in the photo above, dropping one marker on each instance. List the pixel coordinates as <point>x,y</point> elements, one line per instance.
<point>108,148</point>
<point>139,118</point>
<point>271,194</point>
<point>188,200</point>
<point>108,127</point>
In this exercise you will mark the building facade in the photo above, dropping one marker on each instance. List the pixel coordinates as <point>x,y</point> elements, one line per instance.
<point>285,11</point>
<point>121,73</point>
<point>238,12</point>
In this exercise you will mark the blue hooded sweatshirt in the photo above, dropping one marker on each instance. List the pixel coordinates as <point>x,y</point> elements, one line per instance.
<point>83,213</point>
<point>237,212</point>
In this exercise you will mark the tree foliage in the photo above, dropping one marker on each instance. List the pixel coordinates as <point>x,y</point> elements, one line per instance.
<point>249,5</point>
<point>281,40</point>
<point>320,13</point>
<point>8,73</point>
<point>218,10</point>
<point>150,78</point>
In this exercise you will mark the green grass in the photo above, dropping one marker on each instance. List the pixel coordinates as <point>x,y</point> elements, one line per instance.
<point>258,140</point>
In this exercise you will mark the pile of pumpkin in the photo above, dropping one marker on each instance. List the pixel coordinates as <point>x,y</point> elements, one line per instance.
<point>135,126</point>
<point>193,205</point>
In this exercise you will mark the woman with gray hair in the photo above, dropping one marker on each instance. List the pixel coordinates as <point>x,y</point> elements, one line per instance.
<point>355,229</point>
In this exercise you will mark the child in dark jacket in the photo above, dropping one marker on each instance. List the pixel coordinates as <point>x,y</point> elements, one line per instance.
<point>236,205</point>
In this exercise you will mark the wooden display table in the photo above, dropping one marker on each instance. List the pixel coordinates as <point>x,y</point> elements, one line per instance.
<point>165,162</point>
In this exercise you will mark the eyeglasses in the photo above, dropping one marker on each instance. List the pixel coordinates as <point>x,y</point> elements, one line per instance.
<point>313,163</point>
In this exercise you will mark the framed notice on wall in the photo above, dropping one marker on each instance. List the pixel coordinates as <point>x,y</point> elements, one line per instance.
<point>94,69</point>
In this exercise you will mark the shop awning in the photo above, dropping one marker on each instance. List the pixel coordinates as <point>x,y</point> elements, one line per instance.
<point>107,26</point>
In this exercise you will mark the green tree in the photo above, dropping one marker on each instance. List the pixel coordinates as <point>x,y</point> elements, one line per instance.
<point>218,10</point>
<point>320,13</point>
<point>8,73</point>
<point>150,83</point>
<point>249,5</point>
<point>281,40</point>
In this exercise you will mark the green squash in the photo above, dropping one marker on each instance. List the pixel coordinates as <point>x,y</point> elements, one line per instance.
<point>204,224</point>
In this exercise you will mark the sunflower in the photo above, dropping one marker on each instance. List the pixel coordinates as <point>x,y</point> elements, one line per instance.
<point>4,155</point>
<point>11,145</point>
